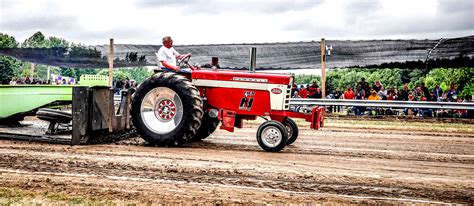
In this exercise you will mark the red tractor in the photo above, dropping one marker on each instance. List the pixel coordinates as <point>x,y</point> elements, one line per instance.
<point>173,108</point>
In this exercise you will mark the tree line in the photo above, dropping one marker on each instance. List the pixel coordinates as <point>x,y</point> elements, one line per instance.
<point>462,78</point>
<point>443,72</point>
<point>58,47</point>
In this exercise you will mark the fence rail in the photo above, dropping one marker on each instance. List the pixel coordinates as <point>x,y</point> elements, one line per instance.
<point>382,103</point>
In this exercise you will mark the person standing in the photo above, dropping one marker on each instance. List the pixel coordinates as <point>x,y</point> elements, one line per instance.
<point>303,93</point>
<point>404,93</point>
<point>365,86</point>
<point>126,86</point>
<point>349,93</point>
<point>118,86</point>
<point>438,92</point>
<point>312,90</point>
<point>426,92</point>
<point>337,95</point>
<point>375,97</point>
<point>377,86</point>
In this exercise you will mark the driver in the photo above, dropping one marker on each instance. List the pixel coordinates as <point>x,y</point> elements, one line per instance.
<point>167,56</point>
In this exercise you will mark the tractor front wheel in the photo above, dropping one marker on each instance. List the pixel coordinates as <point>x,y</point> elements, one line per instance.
<point>272,136</point>
<point>292,129</point>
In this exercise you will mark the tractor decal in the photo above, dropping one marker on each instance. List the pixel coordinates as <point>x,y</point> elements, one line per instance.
<point>247,101</point>
<point>276,91</point>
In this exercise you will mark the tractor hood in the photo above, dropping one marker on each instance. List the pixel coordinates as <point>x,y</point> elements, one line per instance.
<point>240,76</point>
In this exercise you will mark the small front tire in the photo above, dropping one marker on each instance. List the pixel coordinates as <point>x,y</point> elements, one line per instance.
<point>292,129</point>
<point>272,136</point>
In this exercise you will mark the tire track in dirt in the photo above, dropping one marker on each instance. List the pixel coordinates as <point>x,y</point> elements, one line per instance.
<point>59,163</point>
<point>336,165</point>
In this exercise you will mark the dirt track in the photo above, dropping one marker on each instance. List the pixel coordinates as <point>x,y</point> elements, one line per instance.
<point>345,162</point>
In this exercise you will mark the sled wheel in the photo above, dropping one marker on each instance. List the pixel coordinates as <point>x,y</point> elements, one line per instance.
<point>292,129</point>
<point>208,126</point>
<point>272,136</point>
<point>167,109</point>
<point>53,115</point>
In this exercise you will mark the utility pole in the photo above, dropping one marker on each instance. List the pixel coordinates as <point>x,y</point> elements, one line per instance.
<point>111,62</point>
<point>323,68</point>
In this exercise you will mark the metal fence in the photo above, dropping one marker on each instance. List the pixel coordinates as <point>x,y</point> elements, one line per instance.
<point>382,103</point>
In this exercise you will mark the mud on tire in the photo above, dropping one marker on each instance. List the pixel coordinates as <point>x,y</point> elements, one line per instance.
<point>167,109</point>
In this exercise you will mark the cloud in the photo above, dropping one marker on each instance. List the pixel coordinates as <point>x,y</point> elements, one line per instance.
<point>235,21</point>
<point>221,7</point>
<point>361,10</point>
<point>455,15</point>
<point>454,6</point>
<point>377,19</point>
<point>41,22</point>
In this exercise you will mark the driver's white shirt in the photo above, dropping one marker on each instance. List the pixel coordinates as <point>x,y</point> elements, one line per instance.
<point>167,55</point>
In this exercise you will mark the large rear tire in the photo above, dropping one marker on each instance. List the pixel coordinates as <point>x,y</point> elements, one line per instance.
<point>208,126</point>
<point>167,109</point>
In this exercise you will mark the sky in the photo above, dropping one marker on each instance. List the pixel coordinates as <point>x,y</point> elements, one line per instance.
<point>93,22</point>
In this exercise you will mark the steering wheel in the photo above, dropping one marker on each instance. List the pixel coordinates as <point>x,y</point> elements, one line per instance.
<point>184,61</point>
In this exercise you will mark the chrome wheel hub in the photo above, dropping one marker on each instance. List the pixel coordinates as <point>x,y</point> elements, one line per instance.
<point>161,110</point>
<point>271,136</point>
<point>165,109</point>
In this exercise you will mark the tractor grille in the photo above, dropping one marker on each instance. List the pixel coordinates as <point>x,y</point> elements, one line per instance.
<point>287,97</point>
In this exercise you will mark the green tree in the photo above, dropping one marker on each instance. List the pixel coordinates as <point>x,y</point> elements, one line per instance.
<point>36,41</point>
<point>139,74</point>
<point>78,50</point>
<point>462,78</point>
<point>68,72</point>
<point>307,79</point>
<point>7,64</point>
<point>56,42</point>
<point>7,41</point>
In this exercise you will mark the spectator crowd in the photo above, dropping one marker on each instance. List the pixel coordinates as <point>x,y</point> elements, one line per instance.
<point>57,81</point>
<point>365,91</point>
<point>120,85</point>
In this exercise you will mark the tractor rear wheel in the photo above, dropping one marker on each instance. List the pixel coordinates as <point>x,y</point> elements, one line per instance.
<point>272,136</point>
<point>208,126</point>
<point>167,109</point>
<point>292,129</point>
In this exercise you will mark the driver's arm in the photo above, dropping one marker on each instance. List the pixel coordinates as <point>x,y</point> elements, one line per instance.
<point>180,56</point>
<point>165,64</point>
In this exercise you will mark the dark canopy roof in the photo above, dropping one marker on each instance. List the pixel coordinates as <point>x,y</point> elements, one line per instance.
<point>292,55</point>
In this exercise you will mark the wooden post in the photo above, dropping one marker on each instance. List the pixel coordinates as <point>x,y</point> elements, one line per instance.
<point>111,62</point>
<point>253,59</point>
<point>323,68</point>
<point>48,74</point>
<point>32,68</point>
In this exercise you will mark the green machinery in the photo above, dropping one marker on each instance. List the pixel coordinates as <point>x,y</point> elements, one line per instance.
<point>18,100</point>
<point>92,101</point>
